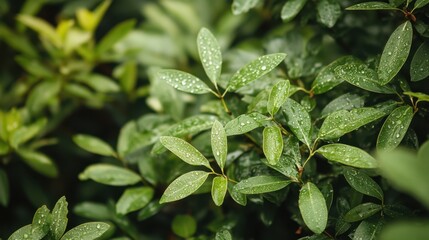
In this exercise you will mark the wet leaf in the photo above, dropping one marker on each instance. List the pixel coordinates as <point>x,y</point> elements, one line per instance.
<point>313,208</point>
<point>362,211</point>
<point>289,160</point>
<point>347,155</point>
<point>223,234</point>
<point>59,219</point>
<point>183,81</point>
<point>237,196</point>
<point>346,101</point>
<point>87,231</point>
<point>394,128</point>
<point>291,8</point>
<point>245,123</point>
<point>39,162</point>
<point>272,144</point>
<point>210,54</point>
<point>242,6</point>
<point>328,12</point>
<point>368,230</point>
<point>278,95</point>
<point>184,186</point>
<point>219,144</point>
<point>109,175</point>
<point>395,53</point>
<point>327,79</point>
<point>372,6</point>
<point>219,188</point>
<point>261,184</point>
<point>134,199</point>
<point>341,122</point>
<point>184,226</point>
<point>298,120</point>
<point>254,70</point>
<point>22,233</point>
<point>184,151</point>
<point>363,183</point>
<point>419,68</point>
<point>41,221</point>
<point>420,3</point>
<point>93,145</point>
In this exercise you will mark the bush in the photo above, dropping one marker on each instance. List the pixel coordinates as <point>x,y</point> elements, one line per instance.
<point>204,119</point>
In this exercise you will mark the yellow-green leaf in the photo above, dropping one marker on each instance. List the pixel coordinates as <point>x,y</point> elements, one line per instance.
<point>93,145</point>
<point>272,144</point>
<point>219,188</point>
<point>134,199</point>
<point>184,186</point>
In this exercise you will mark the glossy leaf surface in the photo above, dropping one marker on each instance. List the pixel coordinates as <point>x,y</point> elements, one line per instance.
<point>347,155</point>
<point>210,54</point>
<point>184,151</point>
<point>313,208</point>
<point>298,120</point>
<point>184,186</point>
<point>261,184</point>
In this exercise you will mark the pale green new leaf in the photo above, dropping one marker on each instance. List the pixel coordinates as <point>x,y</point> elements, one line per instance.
<point>326,79</point>
<point>87,231</point>
<point>41,94</point>
<point>419,68</point>
<point>372,6</point>
<point>43,28</point>
<point>219,144</point>
<point>134,199</point>
<point>184,151</point>
<point>341,122</point>
<point>312,206</point>
<point>298,120</point>
<point>328,12</point>
<point>362,183</point>
<point>362,211</point>
<point>272,144</point>
<point>261,184</point>
<point>420,4</point>
<point>254,70</point>
<point>420,96</point>
<point>347,155</point>
<point>219,188</point>
<point>93,144</point>
<point>291,8</point>
<point>183,81</point>
<point>395,52</point>
<point>394,128</point>
<point>242,6</point>
<point>184,186</point>
<point>59,219</point>
<point>113,36</point>
<point>109,175</point>
<point>25,133</point>
<point>278,95</point>
<point>210,54</point>
<point>245,123</point>
<point>39,162</point>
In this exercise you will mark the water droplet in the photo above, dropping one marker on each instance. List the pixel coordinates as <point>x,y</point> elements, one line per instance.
<point>263,68</point>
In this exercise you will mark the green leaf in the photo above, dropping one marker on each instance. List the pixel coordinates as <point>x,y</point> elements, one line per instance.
<point>4,147</point>
<point>346,101</point>
<point>419,4</point>
<point>100,83</point>
<point>312,206</point>
<point>421,96</point>
<point>419,68</point>
<point>372,6</point>
<point>134,199</point>
<point>90,20</point>
<point>328,12</point>
<point>93,145</point>
<point>261,184</point>
<point>184,186</point>
<point>272,144</point>
<point>289,160</point>
<point>237,196</point>
<point>368,230</point>
<point>94,211</point>
<point>362,211</point>
<point>25,133</point>
<point>219,187</point>
<point>4,188</point>
<point>74,39</point>
<point>219,144</point>
<point>59,219</point>
<point>114,35</point>
<point>210,54</point>
<point>41,222</point>
<point>87,231</point>
<point>43,28</point>
<point>278,95</point>
<point>127,75</point>
<point>184,226</point>
<point>184,151</point>
<point>360,75</point>
<point>39,162</point>
<point>42,94</point>
<point>326,79</point>
<point>341,122</point>
<point>395,53</point>
<point>347,155</point>
<point>254,70</point>
<point>223,234</point>
<point>298,120</point>
<point>415,229</point>
<point>109,175</point>
<point>242,6</point>
<point>22,233</point>
<point>394,128</point>
<point>150,210</point>
<point>363,183</point>
<point>245,123</point>
<point>183,81</point>
<point>291,8</point>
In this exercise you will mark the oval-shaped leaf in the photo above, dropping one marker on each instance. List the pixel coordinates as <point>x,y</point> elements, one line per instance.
<point>291,8</point>
<point>326,79</point>
<point>59,219</point>
<point>372,6</point>
<point>184,226</point>
<point>278,95</point>
<point>223,234</point>
<point>254,70</point>
<point>341,122</point>
<point>261,184</point>
<point>114,35</point>
<point>368,230</point>
<point>298,120</point>
<point>109,175</point>
<point>184,186</point>
<point>363,183</point>
<point>219,187</point>
<point>43,28</point>
<point>420,96</point>
<point>242,6</point>
<point>346,101</point>
<point>42,94</point>
<point>347,155</point>
<point>272,144</point>
<point>237,196</point>
<point>312,206</point>
<point>362,211</point>
<point>419,4</point>
<point>22,233</point>
<point>394,128</point>
<point>25,133</point>
<point>39,162</point>
<point>210,54</point>
<point>245,123</point>
<point>183,81</point>
<point>134,199</point>
<point>185,151</point>
<point>93,145</point>
<point>395,52</point>
<point>419,68</point>
<point>41,221</point>
<point>219,144</point>
<point>87,231</point>
<point>328,12</point>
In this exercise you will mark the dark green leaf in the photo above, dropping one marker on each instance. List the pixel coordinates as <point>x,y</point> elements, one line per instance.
<point>237,196</point>
<point>39,162</point>
<point>93,145</point>
<point>298,120</point>
<point>109,175</point>
<point>210,54</point>
<point>114,35</point>
<point>242,6</point>
<point>261,184</point>
<point>368,230</point>
<point>219,144</point>
<point>183,81</point>
<point>245,123</point>
<point>327,79</point>
<point>184,186</point>
<point>134,199</point>
<point>346,101</point>
<point>363,183</point>
<point>291,8</point>
<point>362,211</point>
<point>87,231</point>
<point>395,52</point>
<point>59,219</point>
<point>4,188</point>
<point>313,208</point>
<point>420,3</point>
<point>272,144</point>
<point>219,187</point>
<point>184,226</point>
<point>347,155</point>
<point>278,95</point>
<point>185,151</point>
<point>328,12</point>
<point>372,6</point>
<point>419,68</point>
